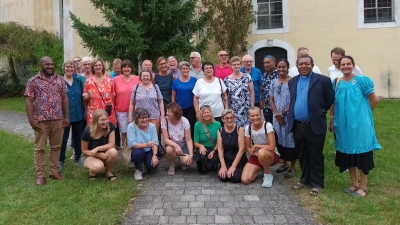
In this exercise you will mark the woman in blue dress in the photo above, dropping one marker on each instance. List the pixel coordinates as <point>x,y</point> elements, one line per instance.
<point>353,125</point>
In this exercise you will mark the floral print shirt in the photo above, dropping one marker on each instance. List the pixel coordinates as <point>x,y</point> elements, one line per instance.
<point>265,86</point>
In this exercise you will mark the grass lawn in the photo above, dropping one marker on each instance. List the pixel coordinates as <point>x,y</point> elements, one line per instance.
<point>13,104</point>
<point>382,204</point>
<point>74,200</point>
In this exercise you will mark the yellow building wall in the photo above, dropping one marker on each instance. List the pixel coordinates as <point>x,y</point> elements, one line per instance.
<point>322,25</point>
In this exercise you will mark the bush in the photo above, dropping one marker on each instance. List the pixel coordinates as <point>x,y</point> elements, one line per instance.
<point>7,88</point>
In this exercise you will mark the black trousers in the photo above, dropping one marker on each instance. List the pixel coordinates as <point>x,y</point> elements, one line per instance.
<point>309,151</point>
<point>190,115</point>
<point>268,115</point>
<point>117,137</point>
<point>237,175</point>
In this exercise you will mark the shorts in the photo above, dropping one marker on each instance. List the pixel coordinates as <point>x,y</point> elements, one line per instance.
<point>254,160</point>
<point>122,118</point>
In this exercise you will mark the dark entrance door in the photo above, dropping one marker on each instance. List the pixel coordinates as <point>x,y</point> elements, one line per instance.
<point>276,52</point>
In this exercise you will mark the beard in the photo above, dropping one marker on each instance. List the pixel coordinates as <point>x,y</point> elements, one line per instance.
<point>47,73</point>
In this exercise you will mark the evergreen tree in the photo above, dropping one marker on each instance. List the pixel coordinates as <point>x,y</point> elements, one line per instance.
<point>145,28</point>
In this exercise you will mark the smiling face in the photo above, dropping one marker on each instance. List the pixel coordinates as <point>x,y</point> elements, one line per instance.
<point>222,57</point>
<point>126,70</point>
<point>208,70</point>
<point>69,69</point>
<point>206,114</point>
<point>282,68</point>
<point>255,116</point>
<point>247,62</point>
<point>194,59</point>
<point>103,121</point>
<point>269,64</point>
<point>235,65</point>
<point>98,67</point>
<point>86,66</point>
<point>162,66</point>
<point>304,66</point>
<point>346,66</point>
<point>143,121</point>
<point>229,119</point>
<point>185,70</point>
<point>172,64</point>
<point>47,66</point>
<point>145,77</point>
<point>335,59</point>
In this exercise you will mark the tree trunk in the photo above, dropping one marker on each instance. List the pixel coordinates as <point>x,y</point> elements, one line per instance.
<point>14,76</point>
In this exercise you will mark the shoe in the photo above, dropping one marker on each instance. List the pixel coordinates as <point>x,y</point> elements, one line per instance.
<point>144,168</point>
<point>268,178</point>
<point>138,175</point>
<point>78,162</point>
<point>112,178</point>
<point>171,170</point>
<point>57,176</point>
<point>298,186</point>
<point>72,158</point>
<point>289,174</point>
<point>358,195</point>
<point>185,167</point>
<point>92,177</point>
<point>40,181</point>
<point>350,190</point>
<point>282,169</point>
<point>60,166</point>
<point>316,191</point>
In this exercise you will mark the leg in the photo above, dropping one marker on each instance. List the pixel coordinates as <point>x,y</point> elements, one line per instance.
<point>301,153</point>
<point>55,139</point>
<point>95,165</point>
<point>148,156</point>
<point>77,130</point>
<point>64,143</point>
<point>123,136</point>
<point>171,155</point>
<point>354,181</point>
<point>265,158</point>
<point>117,137</point>
<point>236,178</point>
<point>110,161</point>
<point>40,148</point>
<point>137,157</point>
<point>249,173</point>
<point>363,184</point>
<point>315,147</point>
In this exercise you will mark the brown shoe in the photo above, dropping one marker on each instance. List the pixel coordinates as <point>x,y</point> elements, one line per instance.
<point>40,181</point>
<point>57,176</point>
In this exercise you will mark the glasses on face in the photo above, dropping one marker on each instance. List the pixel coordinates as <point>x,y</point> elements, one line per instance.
<point>77,60</point>
<point>208,68</point>
<point>163,63</point>
<point>86,64</point>
<point>223,55</point>
<point>204,106</point>
<point>249,61</point>
<point>192,58</point>
<point>268,56</point>
<point>230,118</point>
<point>235,64</point>
<point>143,117</point>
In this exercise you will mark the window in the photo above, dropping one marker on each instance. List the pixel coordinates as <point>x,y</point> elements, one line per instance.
<point>270,14</point>
<point>376,11</point>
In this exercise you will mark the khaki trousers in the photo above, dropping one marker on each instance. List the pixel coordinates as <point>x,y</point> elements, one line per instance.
<point>52,130</point>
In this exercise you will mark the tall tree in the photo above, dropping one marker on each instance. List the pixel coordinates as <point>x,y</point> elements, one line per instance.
<point>230,24</point>
<point>145,28</point>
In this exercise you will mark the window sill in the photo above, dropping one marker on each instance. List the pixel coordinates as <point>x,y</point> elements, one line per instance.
<point>373,25</point>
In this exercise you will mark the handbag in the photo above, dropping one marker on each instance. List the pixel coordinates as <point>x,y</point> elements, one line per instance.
<point>108,106</point>
<point>126,153</point>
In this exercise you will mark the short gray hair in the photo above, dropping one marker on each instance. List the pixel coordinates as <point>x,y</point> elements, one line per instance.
<point>87,59</point>
<point>226,112</point>
<point>197,54</point>
<point>139,112</point>
<point>183,63</point>
<point>66,63</point>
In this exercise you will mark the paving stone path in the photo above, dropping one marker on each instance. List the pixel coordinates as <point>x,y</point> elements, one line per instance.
<point>191,198</point>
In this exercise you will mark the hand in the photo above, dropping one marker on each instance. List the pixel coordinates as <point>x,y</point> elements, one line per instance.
<point>35,125</point>
<point>331,128</point>
<point>222,172</point>
<point>102,155</point>
<point>154,161</point>
<point>66,122</point>
<point>261,104</point>
<point>203,150</point>
<point>178,150</point>
<point>190,161</point>
<point>211,155</point>
<point>90,94</point>
<point>231,171</point>
<point>151,144</point>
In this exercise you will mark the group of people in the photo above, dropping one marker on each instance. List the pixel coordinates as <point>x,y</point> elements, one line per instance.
<point>208,114</point>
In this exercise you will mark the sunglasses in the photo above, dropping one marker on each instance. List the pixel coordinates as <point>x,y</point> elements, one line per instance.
<point>223,55</point>
<point>205,106</point>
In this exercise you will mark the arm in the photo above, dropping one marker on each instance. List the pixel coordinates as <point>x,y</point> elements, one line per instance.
<point>66,109</point>
<point>196,138</point>
<point>331,118</point>
<point>130,112</point>
<point>110,144</point>
<point>251,90</point>
<point>161,108</point>
<point>173,96</point>
<point>189,141</point>
<point>223,170</point>
<point>248,145</point>
<point>196,105</point>
<point>373,100</point>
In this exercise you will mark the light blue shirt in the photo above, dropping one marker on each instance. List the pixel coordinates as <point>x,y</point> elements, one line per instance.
<point>256,77</point>
<point>136,135</point>
<point>301,104</point>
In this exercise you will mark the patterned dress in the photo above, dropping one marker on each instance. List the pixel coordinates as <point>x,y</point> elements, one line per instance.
<point>239,97</point>
<point>96,101</point>
<point>281,95</point>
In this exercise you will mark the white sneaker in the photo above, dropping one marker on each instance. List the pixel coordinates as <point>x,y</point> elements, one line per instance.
<point>138,175</point>
<point>268,178</point>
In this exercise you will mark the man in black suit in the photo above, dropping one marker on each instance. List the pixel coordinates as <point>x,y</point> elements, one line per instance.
<point>311,95</point>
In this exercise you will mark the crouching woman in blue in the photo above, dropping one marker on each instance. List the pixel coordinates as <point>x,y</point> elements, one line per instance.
<point>143,140</point>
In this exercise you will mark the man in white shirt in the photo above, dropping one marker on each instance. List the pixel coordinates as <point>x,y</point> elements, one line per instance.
<point>302,51</point>
<point>334,71</point>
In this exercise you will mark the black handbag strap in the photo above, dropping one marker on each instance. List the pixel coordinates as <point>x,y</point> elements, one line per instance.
<point>265,130</point>
<point>100,93</point>
<point>208,133</point>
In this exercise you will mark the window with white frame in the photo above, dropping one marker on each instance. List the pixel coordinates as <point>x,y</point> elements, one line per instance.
<point>376,11</point>
<point>270,14</point>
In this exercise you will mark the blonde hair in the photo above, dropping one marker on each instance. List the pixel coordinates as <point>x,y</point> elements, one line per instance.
<point>204,108</point>
<point>235,59</point>
<point>94,62</point>
<point>94,127</point>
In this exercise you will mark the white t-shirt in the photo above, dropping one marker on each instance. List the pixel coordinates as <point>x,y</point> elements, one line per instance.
<point>259,137</point>
<point>294,71</point>
<point>333,73</point>
<point>210,94</point>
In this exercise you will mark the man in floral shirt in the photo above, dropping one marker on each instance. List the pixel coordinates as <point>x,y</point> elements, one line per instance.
<point>46,98</point>
<point>269,75</point>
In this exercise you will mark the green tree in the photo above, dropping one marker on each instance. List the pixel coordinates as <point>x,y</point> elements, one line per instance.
<point>230,24</point>
<point>145,28</point>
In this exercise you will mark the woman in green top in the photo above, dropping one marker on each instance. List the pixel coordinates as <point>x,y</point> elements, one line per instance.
<point>205,137</point>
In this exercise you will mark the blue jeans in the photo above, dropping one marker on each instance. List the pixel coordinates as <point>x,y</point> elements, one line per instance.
<point>139,156</point>
<point>77,130</point>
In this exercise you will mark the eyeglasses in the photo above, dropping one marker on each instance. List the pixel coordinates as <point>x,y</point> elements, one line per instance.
<point>143,117</point>
<point>86,64</point>
<point>223,55</point>
<point>192,57</point>
<point>230,118</point>
<point>77,61</point>
<point>268,56</point>
<point>205,106</point>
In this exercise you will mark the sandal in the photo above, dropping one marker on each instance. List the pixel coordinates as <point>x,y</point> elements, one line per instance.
<point>289,174</point>
<point>171,170</point>
<point>298,186</point>
<point>112,178</point>
<point>282,169</point>
<point>92,177</point>
<point>356,194</point>
<point>350,190</point>
<point>316,191</point>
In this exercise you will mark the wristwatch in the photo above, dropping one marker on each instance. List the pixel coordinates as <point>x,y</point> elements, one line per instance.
<point>191,155</point>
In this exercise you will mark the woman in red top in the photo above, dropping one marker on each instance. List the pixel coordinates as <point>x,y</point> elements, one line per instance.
<point>123,86</point>
<point>99,92</point>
